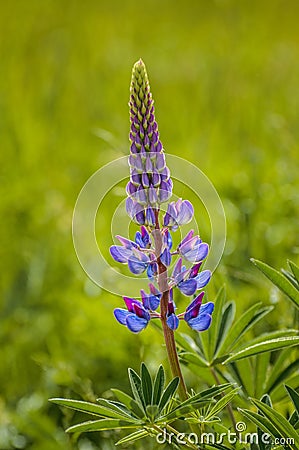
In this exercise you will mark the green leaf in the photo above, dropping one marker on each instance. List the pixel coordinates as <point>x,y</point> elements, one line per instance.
<point>187,343</point>
<point>294,397</point>
<point>241,326</point>
<point>279,422</point>
<point>194,358</point>
<point>295,269</point>
<point>216,322</point>
<point>100,425</point>
<point>261,421</point>
<point>158,386</point>
<point>266,346</point>
<point>261,365</point>
<point>222,403</point>
<point>225,325</point>
<point>291,278</point>
<point>114,406</point>
<point>168,393</point>
<point>146,384</point>
<point>279,280</point>
<point>91,408</point>
<point>136,387</point>
<point>202,398</point>
<point>129,402</point>
<point>133,437</point>
<point>284,375</point>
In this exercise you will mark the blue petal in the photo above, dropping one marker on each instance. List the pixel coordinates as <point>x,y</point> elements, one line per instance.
<point>199,253</point>
<point>188,287</point>
<point>207,308</point>
<point>136,266</point>
<point>172,322</point>
<point>201,322</point>
<point>154,302</point>
<point>135,323</point>
<point>139,240</point>
<point>127,243</point>
<point>120,254</point>
<point>203,278</point>
<point>121,315</point>
<point>186,212</point>
<point>166,257</point>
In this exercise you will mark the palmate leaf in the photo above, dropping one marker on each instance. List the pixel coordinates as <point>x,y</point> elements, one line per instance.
<point>279,422</point>
<point>136,387</point>
<point>241,326</point>
<point>196,401</point>
<point>158,386</point>
<point>294,397</point>
<point>93,409</point>
<point>194,358</point>
<point>265,346</point>
<point>228,316</point>
<point>133,437</point>
<point>129,402</point>
<point>168,393</point>
<point>260,421</point>
<point>284,375</point>
<point>279,280</point>
<point>146,384</point>
<point>222,403</point>
<point>216,322</point>
<point>101,425</point>
<point>295,269</point>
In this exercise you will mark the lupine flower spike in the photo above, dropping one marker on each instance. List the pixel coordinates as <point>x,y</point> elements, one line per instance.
<point>149,186</point>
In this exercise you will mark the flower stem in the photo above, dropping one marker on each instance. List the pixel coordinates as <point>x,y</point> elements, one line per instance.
<point>168,333</point>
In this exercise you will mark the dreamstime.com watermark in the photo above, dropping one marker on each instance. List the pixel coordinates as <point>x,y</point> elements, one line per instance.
<point>231,437</point>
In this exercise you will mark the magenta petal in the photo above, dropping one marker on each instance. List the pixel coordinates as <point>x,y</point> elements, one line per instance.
<point>130,302</point>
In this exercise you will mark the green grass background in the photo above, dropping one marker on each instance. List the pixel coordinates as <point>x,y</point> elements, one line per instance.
<point>224,75</point>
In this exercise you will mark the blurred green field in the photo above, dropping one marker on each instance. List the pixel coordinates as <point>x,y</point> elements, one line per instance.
<point>224,75</point>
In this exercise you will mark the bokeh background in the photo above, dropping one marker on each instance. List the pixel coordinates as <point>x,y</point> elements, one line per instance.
<point>224,75</point>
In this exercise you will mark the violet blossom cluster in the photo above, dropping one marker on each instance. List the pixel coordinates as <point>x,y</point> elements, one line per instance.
<point>149,186</point>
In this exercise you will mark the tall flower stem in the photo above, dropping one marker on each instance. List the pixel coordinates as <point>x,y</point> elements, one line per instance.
<point>168,333</point>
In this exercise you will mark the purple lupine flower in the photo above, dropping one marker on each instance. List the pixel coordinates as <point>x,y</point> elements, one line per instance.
<point>199,316</point>
<point>137,260</point>
<point>135,318</point>
<point>178,213</point>
<point>142,238</point>
<point>151,301</point>
<point>179,276</point>
<point>150,182</point>
<point>172,319</point>
<point>193,249</point>
<point>149,185</point>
